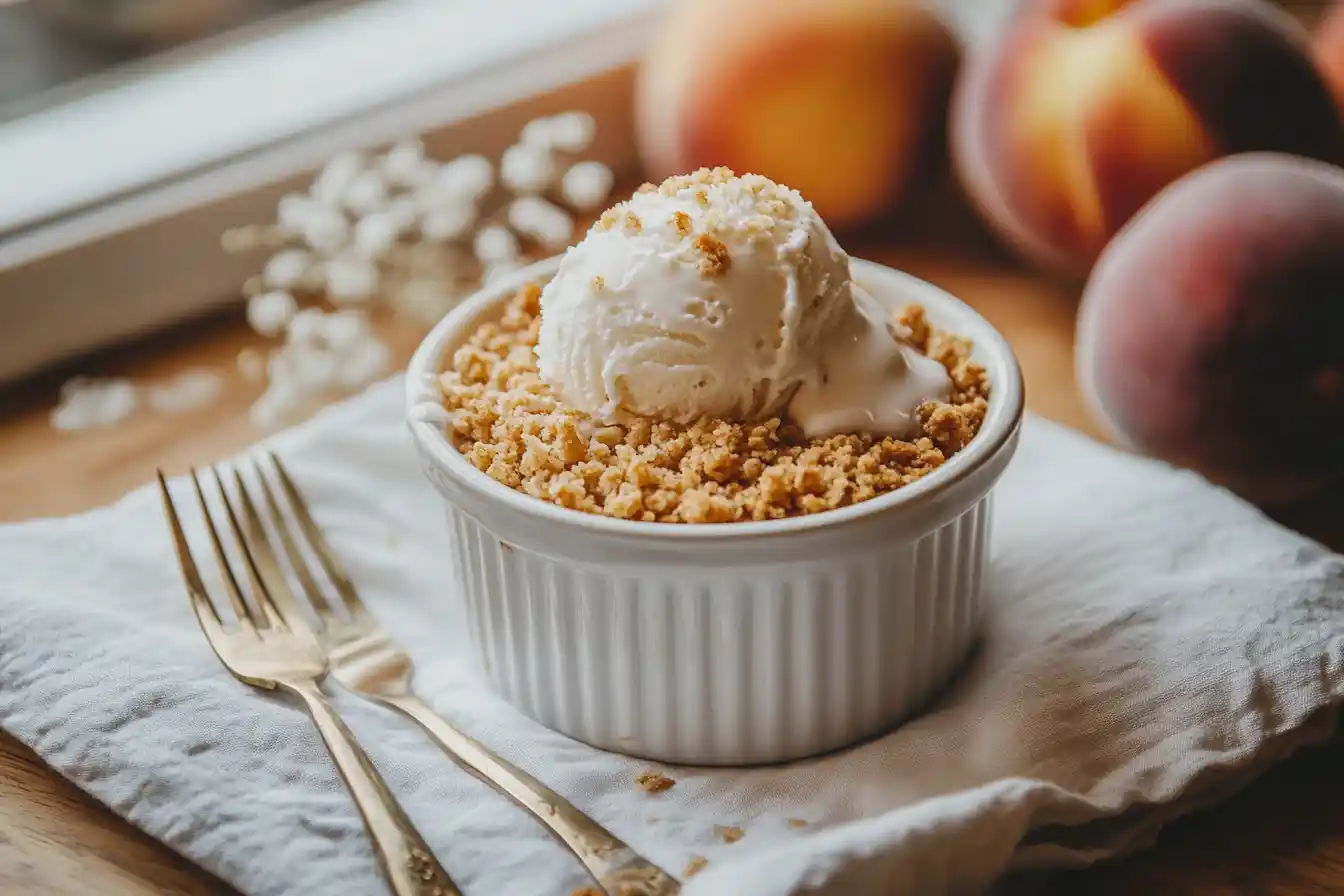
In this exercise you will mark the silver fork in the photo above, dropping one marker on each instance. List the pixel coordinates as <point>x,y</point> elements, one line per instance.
<point>267,651</point>
<point>366,660</point>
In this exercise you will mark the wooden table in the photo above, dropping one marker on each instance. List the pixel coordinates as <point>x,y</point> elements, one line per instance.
<point>1285,835</point>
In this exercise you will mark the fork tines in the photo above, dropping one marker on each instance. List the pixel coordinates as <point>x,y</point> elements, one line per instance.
<point>267,580</point>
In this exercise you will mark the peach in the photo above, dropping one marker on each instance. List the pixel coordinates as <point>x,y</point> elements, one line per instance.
<point>1084,109</point>
<point>1329,47</point>
<point>1211,332</point>
<point>843,100</point>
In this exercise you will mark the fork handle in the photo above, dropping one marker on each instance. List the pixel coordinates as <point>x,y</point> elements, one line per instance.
<point>601,852</point>
<point>406,861</point>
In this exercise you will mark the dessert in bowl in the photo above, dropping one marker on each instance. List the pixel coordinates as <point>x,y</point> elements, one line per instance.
<point>716,492</point>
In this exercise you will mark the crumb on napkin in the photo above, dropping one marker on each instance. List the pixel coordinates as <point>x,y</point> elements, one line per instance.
<point>729,833</point>
<point>654,782</point>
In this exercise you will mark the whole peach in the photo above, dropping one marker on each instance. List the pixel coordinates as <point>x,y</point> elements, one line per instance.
<point>843,100</point>
<point>1329,47</point>
<point>1211,332</point>
<point>1083,109</point>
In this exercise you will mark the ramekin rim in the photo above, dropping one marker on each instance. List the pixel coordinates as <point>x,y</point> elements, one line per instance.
<point>1001,422</point>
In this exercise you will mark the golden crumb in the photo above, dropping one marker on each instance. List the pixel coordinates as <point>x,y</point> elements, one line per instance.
<point>654,782</point>
<point>609,218</point>
<point>695,866</point>
<point>647,187</point>
<point>716,259</point>
<point>632,223</point>
<point>599,282</point>
<point>508,424</point>
<point>729,833</point>
<point>702,198</point>
<point>949,428</point>
<point>797,823</point>
<point>701,177</point>
<point>682,222</point>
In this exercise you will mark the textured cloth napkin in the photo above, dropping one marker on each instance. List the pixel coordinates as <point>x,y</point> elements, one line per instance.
<point>1152,644</point>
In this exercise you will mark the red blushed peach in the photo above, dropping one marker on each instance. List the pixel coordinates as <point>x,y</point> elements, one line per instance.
<point>1329,47</point>
<point>843,100</point>
<point>1211,332</point>
<point>1084,109</point>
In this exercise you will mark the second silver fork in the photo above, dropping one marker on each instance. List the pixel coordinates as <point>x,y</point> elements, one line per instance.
<point>365,659</point>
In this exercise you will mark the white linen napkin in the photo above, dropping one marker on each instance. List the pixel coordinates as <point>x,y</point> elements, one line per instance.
<point>1152,644</point>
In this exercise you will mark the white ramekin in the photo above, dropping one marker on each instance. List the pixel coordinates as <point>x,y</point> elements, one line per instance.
<point>732,643</point>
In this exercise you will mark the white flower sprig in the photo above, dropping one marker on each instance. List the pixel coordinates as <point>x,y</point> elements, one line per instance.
<point>402,231</point>
<point>393,230</point>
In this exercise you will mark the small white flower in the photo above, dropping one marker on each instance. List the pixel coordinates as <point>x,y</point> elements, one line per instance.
<point>293,212</point>
<point>568,132</point>
<point>526,169</point>
<point>351,280</point>
<point>87,403</point>
<point>463,181</point>
<point>586,185</point>
<point>276,404</point>
<point>572,131</point>
<point>537,134</point>
<point>187,391</point>
<point>304,327</point>
<point>270,312</point>
<point>286,269</point>
<point>448,222</point>
<point>325,230</point>
<point>543,221</point>
<point>343,330</point>
<point>375,234</point>
<point>367,192</point>
<point>405,164</point>
<point>332,181</point>
<point>495,244</point>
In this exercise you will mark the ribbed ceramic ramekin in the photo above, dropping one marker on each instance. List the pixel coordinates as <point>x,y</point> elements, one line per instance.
<point>730,643</point>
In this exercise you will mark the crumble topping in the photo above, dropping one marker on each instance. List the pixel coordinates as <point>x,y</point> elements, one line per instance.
<point>716,260</point>
<point>506,421</point>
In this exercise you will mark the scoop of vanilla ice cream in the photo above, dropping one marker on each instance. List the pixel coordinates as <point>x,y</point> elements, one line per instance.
<point>706,297</point>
